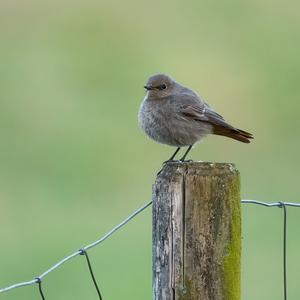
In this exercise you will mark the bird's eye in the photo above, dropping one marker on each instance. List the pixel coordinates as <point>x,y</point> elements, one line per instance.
<point>163,87</point>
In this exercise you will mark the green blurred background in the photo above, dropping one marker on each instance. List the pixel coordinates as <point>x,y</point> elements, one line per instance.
<point>73,162</point>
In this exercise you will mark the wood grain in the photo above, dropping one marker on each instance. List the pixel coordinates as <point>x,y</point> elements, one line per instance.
<point>196,232</point>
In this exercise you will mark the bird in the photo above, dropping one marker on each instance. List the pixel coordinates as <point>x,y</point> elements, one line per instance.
<point>175,115</point>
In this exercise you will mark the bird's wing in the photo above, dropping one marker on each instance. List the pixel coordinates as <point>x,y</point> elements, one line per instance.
<point>202,112</point>
<point>191,106</point>
<point>198,110</point>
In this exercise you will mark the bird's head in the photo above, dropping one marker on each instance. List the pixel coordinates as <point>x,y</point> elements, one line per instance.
<point>159,86</point>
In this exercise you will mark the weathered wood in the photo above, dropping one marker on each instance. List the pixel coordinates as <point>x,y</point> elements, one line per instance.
<point>196,232</point>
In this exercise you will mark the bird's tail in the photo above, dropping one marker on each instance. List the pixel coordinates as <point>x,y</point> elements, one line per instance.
<point>234,133</point>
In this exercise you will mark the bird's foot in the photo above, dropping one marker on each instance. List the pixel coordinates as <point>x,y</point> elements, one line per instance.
<point>170,161</point>
<point>188,160</point>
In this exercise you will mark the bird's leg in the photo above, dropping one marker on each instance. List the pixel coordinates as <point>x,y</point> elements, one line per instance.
<point>186,153</point>
<point>172,157</point>
<point>174,154</point>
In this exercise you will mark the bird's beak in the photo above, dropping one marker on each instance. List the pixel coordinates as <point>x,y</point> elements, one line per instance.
<point>148,87</point>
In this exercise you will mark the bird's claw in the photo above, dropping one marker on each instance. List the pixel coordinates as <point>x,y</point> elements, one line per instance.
<point>170,161</point>
<point>188,160</point>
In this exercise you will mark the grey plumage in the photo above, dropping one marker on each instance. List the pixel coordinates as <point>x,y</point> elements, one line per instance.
<point>175,115</point>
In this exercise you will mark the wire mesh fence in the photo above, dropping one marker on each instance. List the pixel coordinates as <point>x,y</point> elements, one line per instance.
<point>83,251</point>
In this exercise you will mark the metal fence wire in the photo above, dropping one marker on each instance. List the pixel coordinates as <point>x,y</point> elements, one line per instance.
<point>83,251</point>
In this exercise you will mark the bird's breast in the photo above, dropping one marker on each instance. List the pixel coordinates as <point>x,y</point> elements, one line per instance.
<point>162,122</point>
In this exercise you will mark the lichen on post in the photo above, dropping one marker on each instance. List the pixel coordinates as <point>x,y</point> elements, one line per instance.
<point>196,232</point>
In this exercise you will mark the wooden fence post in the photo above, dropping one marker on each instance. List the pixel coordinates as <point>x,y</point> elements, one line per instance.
<point>196,232</point>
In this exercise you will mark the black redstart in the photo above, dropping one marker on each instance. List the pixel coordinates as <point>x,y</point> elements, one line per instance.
<point>177,116</point>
